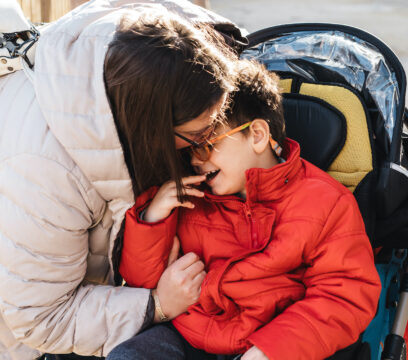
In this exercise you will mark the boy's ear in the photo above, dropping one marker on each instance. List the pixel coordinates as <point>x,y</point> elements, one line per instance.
<point>259,131</point>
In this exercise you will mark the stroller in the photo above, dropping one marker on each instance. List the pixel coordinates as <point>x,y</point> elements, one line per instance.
<point>344,102</point>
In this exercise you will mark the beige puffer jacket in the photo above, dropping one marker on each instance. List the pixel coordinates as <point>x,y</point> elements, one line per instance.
<point>64,190</point>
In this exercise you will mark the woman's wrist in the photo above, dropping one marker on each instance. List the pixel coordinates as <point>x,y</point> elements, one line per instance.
<point>159,315</point>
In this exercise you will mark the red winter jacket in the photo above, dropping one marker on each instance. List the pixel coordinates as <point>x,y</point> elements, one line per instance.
<point>290,269</point>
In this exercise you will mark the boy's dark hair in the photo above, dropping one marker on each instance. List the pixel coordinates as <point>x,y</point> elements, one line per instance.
<point>257,96</point>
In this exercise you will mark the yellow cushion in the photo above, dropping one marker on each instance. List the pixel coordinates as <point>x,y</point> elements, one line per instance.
<point>285,85</point>
<point>355,159</point>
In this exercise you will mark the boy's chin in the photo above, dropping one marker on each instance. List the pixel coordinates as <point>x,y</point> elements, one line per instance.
<point>222,192</point>
<point>217,191</point>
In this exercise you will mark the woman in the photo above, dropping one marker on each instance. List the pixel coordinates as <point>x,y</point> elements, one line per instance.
<point>69,169</point>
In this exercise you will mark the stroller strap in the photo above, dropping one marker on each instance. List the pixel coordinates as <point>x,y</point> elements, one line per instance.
<point>17,39</point>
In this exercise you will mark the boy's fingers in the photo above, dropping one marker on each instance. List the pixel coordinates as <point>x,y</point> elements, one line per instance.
<point>170,186</point>
<point>186,204</point>
<point>174,252</point>
<point>194,192</point>
<point>195,179</point>
<point>169,183</point>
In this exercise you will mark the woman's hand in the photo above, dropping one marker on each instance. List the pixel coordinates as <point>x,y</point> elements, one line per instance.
<point>180,284</point>
<point>254,354</point>
<point>166,198</point>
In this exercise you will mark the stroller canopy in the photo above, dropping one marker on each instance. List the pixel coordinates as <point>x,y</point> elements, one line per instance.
<point>339,54</point>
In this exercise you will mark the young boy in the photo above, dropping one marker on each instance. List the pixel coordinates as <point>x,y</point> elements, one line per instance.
<point>290,270</point>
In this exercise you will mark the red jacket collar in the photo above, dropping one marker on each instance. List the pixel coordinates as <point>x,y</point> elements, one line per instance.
<point>270,184</point>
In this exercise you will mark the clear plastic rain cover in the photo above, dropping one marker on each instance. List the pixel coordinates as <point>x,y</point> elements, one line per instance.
<point>336,55</point>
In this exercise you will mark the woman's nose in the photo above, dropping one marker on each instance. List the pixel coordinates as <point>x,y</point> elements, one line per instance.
<point>180,143</point>
<point>195,161</point>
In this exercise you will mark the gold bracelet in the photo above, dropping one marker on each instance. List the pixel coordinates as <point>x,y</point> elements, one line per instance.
<point>158,307</point>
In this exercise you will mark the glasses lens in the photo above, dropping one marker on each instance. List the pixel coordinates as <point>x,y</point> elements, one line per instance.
<point>202,152</point>
<point>206,135</point>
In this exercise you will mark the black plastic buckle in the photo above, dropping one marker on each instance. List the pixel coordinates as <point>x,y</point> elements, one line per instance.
<point>16,49</point>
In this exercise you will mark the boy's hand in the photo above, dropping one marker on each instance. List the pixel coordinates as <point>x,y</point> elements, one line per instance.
<point>166,198</point>
<point>254,354</point>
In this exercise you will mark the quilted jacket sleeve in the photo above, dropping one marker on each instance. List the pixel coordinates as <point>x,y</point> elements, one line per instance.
<point>45,211</point>
<point>146,246</point>
<point>342,290</point>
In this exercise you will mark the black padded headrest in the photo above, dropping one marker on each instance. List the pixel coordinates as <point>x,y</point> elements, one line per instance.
<point>318,127</point>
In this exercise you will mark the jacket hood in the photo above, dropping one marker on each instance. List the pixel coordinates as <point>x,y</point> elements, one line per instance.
<point>69,84</point>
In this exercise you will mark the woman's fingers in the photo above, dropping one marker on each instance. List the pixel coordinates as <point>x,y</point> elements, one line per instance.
<point>198,280</point>
<point>194,269</point>
<point>178,287</point>
<point>185,261</point>
<point>174,252</point>
<point>195,285</point>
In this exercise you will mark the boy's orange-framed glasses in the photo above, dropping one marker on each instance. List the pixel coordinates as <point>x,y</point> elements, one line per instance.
<point>203,150</point>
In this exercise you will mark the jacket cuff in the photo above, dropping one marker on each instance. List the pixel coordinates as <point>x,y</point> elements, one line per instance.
<point>146,243</point>
<point>149,317</point>
<point>140,216</point>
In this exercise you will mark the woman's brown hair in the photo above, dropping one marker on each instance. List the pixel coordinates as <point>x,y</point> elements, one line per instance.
<point>161,73</point>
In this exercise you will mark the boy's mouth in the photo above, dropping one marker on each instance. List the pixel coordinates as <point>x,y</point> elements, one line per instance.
<point>211,174</point>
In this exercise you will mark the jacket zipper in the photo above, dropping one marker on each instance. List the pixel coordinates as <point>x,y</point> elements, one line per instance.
<point>252,223</point>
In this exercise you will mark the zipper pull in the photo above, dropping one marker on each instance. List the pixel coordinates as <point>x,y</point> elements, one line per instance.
<point>254,234</point>
<point>248,212</point>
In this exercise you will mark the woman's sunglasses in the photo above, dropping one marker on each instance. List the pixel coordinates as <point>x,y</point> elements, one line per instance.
<point>203,150</point>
